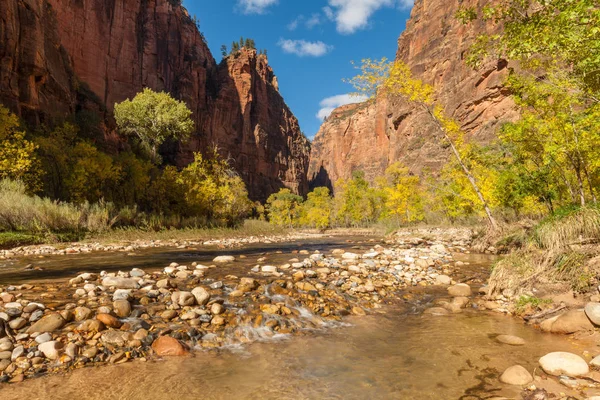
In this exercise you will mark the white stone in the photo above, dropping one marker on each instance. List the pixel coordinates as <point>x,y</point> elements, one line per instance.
<point>563,363</point>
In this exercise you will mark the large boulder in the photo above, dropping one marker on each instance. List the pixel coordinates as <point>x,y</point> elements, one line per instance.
<point>516,375</point>
<point>563,363</point>
<point>570,322</point>
<point>168,346</point>
<point>49,323</point>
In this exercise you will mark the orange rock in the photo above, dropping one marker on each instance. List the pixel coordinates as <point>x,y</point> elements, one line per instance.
<point>109,320</point>
<point>168,346</point>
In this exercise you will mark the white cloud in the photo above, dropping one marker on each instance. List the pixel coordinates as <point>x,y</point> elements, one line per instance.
<point>292,26</point>
<point>352,15</point>
<point>303,48</point>
<point>329,13</point>
<point>331,103</point>
<point>406,4</point>
<point>313,21</point>
<point>256,6</point>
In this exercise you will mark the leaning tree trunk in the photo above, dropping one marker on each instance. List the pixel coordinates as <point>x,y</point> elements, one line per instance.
<point>466,170</point>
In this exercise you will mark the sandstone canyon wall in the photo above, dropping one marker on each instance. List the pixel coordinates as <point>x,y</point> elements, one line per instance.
<point>372,135</point>
<point>58,56</point>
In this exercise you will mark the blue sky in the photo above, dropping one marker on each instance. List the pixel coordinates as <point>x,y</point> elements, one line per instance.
<point>310,43</point>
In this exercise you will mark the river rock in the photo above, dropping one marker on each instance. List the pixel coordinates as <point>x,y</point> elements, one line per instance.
<point>516,375</point>
<point>122,308</point>
<point>120,283</point>
<point>217,309</point>
<point>109,320</point>
<point>91,325</point>
<point>49,323</point>
<point>183,298</point>
<point>592,310</point>
<point>572,321</point>
<point>510,339</point>
<point>224,259</point>
<point>17,323</point>
<point>116,338</point>
<point>168,346</point>
<point>43,338</point>
<point>460,290</point>
<point>50,349</point>
<point>436,311</point>
<point>443,280</point>
<point>202,296</point>
<point>122,294</point>
<point>595,361</point>
<point>563,363</point>
<point>82,313</point>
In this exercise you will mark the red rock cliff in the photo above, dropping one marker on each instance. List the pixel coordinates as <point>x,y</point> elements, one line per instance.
<point>372,135</point>
<point>56,55</point>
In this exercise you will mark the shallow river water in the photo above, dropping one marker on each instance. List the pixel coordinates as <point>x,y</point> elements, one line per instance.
<point>394,353</point>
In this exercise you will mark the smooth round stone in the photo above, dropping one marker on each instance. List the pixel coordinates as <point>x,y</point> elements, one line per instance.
<point>122,308</point>
<point>43,338</point>
<point>516,375</point>
<point>592,310</point>
<point>168,346</point>
<point>563,363</point>
<point>109,320</point>
<point>510,339</point>
<point>17,323</point>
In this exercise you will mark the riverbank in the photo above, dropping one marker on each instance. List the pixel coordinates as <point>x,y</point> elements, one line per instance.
<point>145,306</point>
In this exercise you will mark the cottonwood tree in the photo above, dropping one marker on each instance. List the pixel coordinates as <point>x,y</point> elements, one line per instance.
<point>395,78</point>
<point>154,117</point>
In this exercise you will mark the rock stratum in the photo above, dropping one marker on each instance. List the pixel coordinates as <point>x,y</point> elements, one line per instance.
<point>61,56</point>
<point>370,136</point>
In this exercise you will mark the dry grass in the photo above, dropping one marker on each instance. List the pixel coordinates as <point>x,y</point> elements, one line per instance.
<point>20,212</point>
<point>560,249</point>
<point>574,227</point>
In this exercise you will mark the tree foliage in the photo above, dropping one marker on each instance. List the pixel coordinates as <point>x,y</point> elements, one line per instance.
<point>153,118</point>
<point>18,160</point>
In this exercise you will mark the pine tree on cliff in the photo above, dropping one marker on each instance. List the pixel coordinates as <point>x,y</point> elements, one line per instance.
<point>224,51</point>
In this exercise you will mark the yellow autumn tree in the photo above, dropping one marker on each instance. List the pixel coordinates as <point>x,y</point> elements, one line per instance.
<point>401,192</point>
<point>400,82</point>
<point>17,154</point>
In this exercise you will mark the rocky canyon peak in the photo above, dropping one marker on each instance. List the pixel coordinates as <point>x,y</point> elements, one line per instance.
<point>371,135</point>
<point>61,56</point>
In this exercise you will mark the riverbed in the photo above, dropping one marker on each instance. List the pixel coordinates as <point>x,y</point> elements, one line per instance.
<point>395,352</point>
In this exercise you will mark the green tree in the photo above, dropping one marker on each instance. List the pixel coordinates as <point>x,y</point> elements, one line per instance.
<point>283,208</point>
<point>316,211</point>
<point>224,51</point>
<point>154,117</point>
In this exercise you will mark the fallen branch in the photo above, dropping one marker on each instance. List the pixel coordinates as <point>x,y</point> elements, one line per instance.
<point>545,313</point>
